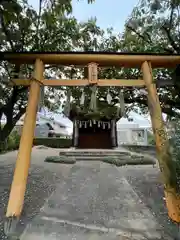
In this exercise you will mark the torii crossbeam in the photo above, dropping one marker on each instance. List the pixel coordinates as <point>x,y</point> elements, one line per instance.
<point>146,62</point>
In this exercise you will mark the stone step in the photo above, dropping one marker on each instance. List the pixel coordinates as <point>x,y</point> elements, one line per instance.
<point>123,160</point>
<point>93,153</point>
<point>97,158</point>
<point>119,156</point>
<point>104,156</point>
<point>116,160</point>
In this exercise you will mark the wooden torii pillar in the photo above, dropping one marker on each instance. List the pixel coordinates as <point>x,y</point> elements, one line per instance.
<point>168,172</point>
<point>18,187</point>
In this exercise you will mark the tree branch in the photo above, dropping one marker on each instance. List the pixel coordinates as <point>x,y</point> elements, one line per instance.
<point>139,35</point>
<point>144,102</point>
<point>171,40</point>
<point>6,32</point>
<point>22,35</point>
<point>149,41</point>
<point>38,22</point>
<point>4,133</point>
<point>8,109</point>
<point>18,115</point>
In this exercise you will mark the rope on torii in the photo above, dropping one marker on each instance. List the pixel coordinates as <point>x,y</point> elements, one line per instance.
<point>121,110</point>
<point>67,107</point>
<point>41,98</point>
<point>122,102</point>
<point>109,97</point>
<point>82,99</point>
<point>93,101</point>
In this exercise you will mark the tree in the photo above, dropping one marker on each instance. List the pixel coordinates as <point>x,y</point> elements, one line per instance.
<point>24,29</point>
<point>53,29</point>
<point>154,27</point>
<point>49,29</point>
<point>174,138</point>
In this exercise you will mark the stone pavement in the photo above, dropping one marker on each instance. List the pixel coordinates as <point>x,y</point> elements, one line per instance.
<point>94,201</point>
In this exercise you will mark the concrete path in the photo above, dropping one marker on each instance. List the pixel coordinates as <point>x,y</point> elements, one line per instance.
<point>94,201</point>
<point>88,200</point>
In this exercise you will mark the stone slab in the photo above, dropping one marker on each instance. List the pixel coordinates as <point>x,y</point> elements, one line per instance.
<point>94,202</point>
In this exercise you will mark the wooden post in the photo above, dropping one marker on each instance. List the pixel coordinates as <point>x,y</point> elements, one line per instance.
<point>75,133</point>
<point>116,134</point>
<point>92,73</point>
<point>113,133</point>
<point>18,187</point>
<point>162,145</point>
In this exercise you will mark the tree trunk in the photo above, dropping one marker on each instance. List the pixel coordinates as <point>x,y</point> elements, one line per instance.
<point>8,127</point>
<point>4,133</point>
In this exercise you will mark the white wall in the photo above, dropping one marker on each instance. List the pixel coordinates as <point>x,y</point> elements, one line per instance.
<point>41,131</point>
<point>131,136</point>
<point>61,124</point>
<point>128,131</point>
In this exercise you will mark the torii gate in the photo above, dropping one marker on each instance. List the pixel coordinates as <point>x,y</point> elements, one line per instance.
<point>93,59</point>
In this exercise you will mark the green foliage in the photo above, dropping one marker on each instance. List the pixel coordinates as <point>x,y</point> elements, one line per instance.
<point>175,150</point>
<point>132,160</point>
<point>113,160</point>
<point>53,142</point>
<point>151,139</point>
<point>154,27</point>
<point>106,112</point>
<point>148,150</point>
<point>60,159</point>
<point>51,28</point>
<point>11,143</point>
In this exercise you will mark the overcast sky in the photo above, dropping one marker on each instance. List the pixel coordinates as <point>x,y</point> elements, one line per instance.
<point>112,13</point>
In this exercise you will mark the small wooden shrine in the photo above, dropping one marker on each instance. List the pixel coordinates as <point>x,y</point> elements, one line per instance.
<point>94,121</point>
<point>94,134</point>
<point>94,129</point>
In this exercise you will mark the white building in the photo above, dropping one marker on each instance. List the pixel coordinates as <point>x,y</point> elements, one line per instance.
<point>58,124</point>
<point>49,124</point>
<point>133,130</point>
<point>129,131</point>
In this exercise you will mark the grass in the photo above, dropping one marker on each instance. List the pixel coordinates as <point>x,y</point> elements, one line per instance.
<point>131,160</point>
<point>60,159</point>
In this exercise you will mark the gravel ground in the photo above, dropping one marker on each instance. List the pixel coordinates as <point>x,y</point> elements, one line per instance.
<point>145,180</point>
<point>43,177</point>
<point>40,181</point>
